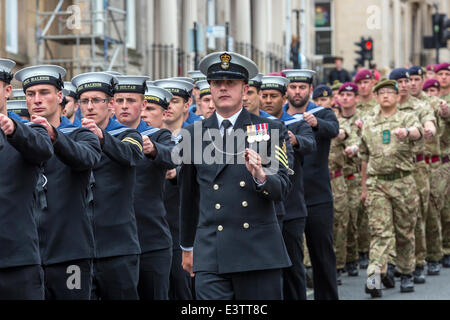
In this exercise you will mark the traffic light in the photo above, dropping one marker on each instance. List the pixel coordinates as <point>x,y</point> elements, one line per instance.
<point>368,48</point>
<point>360,59</point>
<point>441,32</point>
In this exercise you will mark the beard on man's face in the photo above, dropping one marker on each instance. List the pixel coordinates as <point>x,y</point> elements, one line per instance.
<point>298,101</point>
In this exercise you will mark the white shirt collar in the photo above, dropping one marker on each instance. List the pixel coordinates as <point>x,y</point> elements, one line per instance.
<point>232,119</point>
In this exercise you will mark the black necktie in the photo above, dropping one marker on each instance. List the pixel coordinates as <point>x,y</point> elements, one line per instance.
<point>226,124</point>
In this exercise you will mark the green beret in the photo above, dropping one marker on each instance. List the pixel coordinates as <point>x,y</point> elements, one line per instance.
<point>336,85</point>
<point>386,83</point>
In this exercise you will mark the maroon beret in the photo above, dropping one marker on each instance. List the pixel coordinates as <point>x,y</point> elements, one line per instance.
<point>431,67</point>
<point>442,66</point>
<point>363,74</point>
<point>431,83</point>
<point>349,87</point>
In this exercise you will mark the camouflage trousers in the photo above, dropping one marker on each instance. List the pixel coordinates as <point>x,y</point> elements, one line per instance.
<point>354,207</point>
<point>341,217</point>
<point>392,209</point>
<point>436,206</point>
<point>363,231</point>
<point>422,178</point>
<point>445,215</point>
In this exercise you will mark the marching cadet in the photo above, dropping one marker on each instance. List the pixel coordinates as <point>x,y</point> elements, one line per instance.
<point>190,116</point>
<point>437,184</point>
<point>322,96</point>
<point>116,263</point>
<point>318,196</point>
<point>228,219</point>
<point>389,190</point>
<point>71,107</point>
<point>431,87</point>
<point>62,211</point>
<point>153,112</point>
<point>23,150</point>
<point>178,111</point>
<point>196,76</point>
<point>17,104</point>
<point>425,114</point>
<point>301,139</point>
<point>252,100</point>
<point>443,76</point>
<point>153,230</point>
<point>205,103</point>
<point>181,283</point>
<point>365,80</point>
<point>348,98</point>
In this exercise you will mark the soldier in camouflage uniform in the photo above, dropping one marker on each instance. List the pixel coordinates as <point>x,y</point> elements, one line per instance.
<point>389,189</point>
<point>365,80</point>
<point>421,174</point>
<point>348,93</point>
<point>322,96</point>
<point>443,76</point>
<point>433,158</point>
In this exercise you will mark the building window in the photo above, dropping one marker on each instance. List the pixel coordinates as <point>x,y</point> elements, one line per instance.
<point>323,27</point>
<point>11,26</point>
<point>131,24</point>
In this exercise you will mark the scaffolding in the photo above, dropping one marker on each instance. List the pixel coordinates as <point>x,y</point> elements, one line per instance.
<point>83,35</point>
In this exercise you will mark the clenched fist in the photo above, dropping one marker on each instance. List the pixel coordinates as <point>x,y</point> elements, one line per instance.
<point>7,125</point>
<point>43,122</point>
<point>149,147</point>
<point>92,126</point>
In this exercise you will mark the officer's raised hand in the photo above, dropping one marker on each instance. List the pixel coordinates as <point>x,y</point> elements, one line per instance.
<point>92,126</point>
<point>43,122</point>
<point>254,165</point>
<point>7,125</point>
<point>149,147</point>
<point>310,118</point>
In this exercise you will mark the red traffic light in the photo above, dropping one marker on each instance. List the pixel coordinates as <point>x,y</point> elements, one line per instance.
<point>368,45</point>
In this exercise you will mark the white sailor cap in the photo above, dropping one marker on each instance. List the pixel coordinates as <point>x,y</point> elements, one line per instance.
<point>204,88</point>
<point>95,81</point>
<point>275,83</point>
<point>158,96</point>
<point>196,75</point>
<point>18,106</point>
<point>43,74</point>
<point>17,94</point>
<point>299,75</point>
<point>6,66</point>
<point>150,83</point>
<point>256,81</point>
<point>69,90</point>
<point>228,66</point>
<point>190,80</point>
<point>131,84</point>
<point>176,87</point>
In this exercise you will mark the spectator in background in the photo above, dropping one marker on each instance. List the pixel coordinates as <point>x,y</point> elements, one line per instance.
<point>339,73</point>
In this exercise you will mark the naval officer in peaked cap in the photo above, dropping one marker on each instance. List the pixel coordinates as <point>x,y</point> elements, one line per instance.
<point>230,235</point>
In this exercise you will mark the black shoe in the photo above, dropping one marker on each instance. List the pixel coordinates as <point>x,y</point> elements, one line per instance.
<point>434,269</point>
<point>419,275</point>
<point>374,293</point>
<point>309,278</point>
<point>363,260</point>
<point>388,279</point>
<point>446,261</point>
<point>397,273</point>
<point>338,277</point>
<point>352,269</point>
<point>407,283</point>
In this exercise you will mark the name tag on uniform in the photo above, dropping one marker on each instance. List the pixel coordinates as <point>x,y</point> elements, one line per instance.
<point>386,137</point>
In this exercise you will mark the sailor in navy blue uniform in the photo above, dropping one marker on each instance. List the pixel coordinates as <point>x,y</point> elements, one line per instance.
<point>229,230</point>
<point>61,211</point>
<point>71,106</point>
<point>153,229</point>
<point>23,150</point>
<point>196,76</point>
<point>181,284</point>
<point>302,140</point>
<point>318,196</point>
<point>116,266</point>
